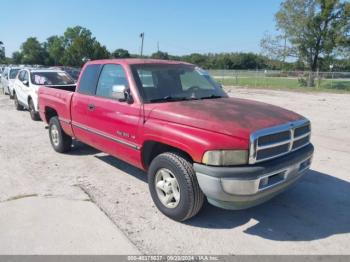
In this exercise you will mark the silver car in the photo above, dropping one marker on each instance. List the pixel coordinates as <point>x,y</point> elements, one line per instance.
<point>8,78</point>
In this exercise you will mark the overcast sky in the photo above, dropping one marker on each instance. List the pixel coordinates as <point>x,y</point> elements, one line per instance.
<point>181,26</point>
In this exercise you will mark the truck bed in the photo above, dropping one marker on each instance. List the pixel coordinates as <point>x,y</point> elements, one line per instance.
<point>57,98</point>
<point>70,88</point>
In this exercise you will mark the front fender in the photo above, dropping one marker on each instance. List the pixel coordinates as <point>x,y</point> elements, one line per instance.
<point>193,141</point>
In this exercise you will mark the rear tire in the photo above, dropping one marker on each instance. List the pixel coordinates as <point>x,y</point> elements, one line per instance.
<point>33,114</point>
<point>18,106</point>
<point>60,141</point>
<point>174,187</point>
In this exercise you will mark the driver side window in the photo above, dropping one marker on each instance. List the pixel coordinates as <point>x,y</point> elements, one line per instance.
<point>111,75</point>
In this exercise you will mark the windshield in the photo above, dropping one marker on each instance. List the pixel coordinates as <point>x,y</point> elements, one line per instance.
<point>51,78</point>
<point>158,83</point>
<point>13,73</point>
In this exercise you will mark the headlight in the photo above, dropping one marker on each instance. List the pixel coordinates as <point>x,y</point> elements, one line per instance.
<point>225,157</point>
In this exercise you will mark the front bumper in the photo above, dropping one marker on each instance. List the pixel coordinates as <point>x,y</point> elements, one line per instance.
<point>246,186</point>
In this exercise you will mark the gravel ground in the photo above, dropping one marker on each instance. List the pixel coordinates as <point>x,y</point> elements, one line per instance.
<point>311,218</point>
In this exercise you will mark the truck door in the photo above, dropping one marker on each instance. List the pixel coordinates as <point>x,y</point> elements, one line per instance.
<point>116,123</point>
<point>82,122</point>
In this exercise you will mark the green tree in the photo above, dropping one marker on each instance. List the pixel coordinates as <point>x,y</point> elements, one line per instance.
<point>100,51</point>
<point>32,51</point>
<point>79,46</point>
<point>121,53</point>
<point>313,29</point>
<point>17,57</point>
<point>198,59</point>
<point>160,55</point>
<point>55,49</point>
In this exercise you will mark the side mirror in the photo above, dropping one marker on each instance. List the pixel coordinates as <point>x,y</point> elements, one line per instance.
<point>25,82</point>
<point>121,93</point>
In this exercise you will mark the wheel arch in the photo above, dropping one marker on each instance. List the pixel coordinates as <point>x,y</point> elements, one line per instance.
<point>152,148</point>
<point>49,113</point>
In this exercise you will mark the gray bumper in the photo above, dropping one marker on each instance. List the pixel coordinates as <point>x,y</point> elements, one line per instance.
<point>246,186</point>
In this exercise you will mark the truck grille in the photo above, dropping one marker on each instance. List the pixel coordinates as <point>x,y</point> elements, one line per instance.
<point>276,141</point>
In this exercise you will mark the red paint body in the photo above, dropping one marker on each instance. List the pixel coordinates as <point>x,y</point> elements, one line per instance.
<point>192,126</point>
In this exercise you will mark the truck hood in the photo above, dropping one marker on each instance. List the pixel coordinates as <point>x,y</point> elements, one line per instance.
<point>231,116</point>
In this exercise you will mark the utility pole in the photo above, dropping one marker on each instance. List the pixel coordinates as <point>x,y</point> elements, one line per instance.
<point>158,46</point>
<point>142,35</point>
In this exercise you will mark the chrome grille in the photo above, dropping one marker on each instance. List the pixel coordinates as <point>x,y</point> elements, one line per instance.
<point>272,151</point>
<point>276,141</point>
<point>274,138</point>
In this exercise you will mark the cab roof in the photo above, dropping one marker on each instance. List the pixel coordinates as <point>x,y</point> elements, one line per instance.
<point>137,61</point>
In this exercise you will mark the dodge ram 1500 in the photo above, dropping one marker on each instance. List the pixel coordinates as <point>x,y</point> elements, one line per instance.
<point>174,121</point>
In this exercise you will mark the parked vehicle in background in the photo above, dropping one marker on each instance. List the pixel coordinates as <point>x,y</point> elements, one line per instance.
<point>174,121</point>
<point>8,78</point>
<point>72,71</point>
<point>28,82</point>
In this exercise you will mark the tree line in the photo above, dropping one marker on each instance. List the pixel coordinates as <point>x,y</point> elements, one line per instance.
<point>314,34</point>
<point>77,45</point>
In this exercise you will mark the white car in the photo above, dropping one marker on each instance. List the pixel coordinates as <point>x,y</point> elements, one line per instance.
<point>8,78</point>
<point>27,84</point>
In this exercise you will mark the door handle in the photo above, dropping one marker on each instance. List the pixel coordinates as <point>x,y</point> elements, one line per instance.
<point>91,107</point>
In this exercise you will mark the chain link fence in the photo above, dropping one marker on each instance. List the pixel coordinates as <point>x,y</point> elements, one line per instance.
<point>283,79</point>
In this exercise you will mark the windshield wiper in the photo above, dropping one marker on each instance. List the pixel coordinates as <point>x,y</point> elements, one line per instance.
<point>168,99</point>
<point>211,97</point>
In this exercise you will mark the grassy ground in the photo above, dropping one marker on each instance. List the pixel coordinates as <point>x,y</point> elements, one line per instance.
<point>286,83</point>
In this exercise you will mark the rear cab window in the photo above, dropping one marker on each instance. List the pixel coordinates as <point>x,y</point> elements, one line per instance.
<point>89,79</point>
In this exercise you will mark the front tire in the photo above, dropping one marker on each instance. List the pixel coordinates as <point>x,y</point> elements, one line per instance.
<point>18,106</point>
<point>174,188</point>
<point>33,114</point>
<point>60,141</point>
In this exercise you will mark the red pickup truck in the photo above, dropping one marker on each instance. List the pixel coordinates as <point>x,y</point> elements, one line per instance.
<point>174,121</point>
